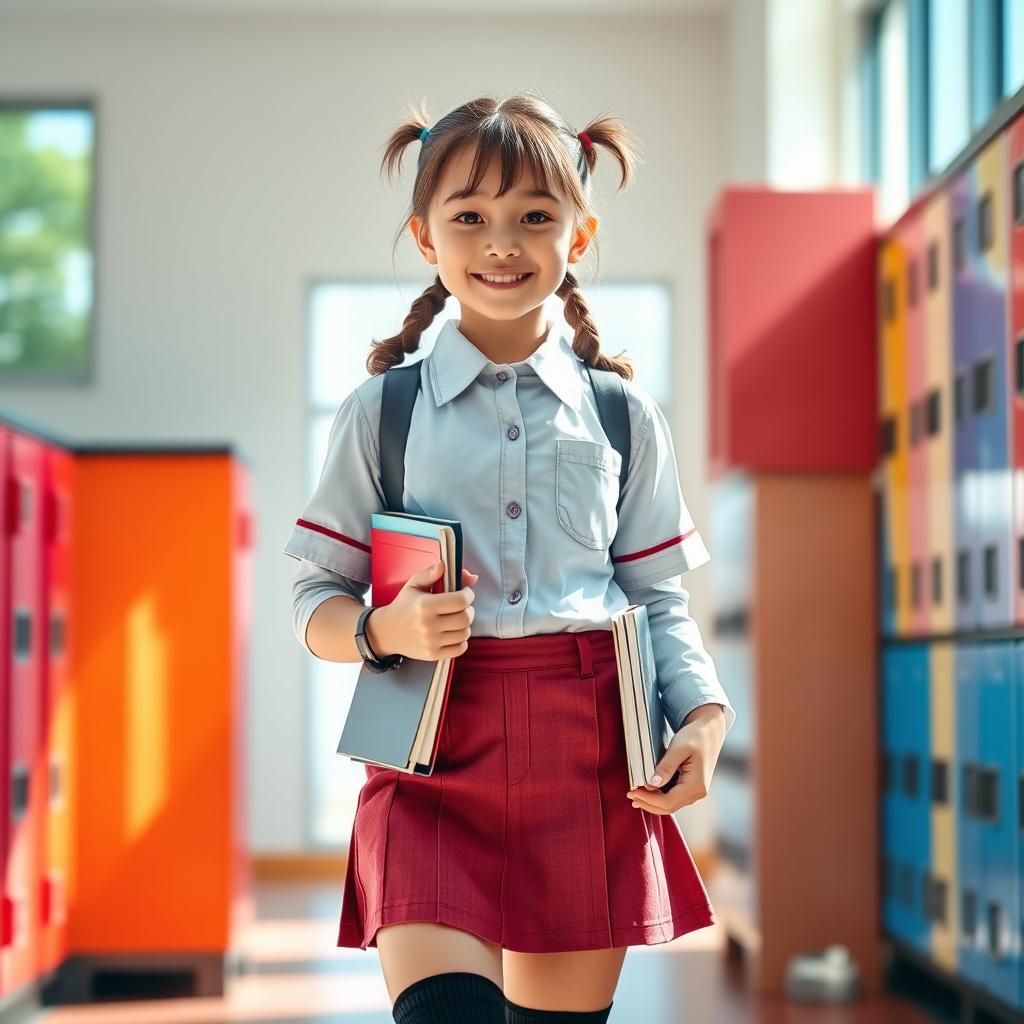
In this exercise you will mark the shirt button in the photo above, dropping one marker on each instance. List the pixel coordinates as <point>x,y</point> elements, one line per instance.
<point>513,432</point>
<point>513,509</point>
<point>514,597</point>
<point>502,375</point>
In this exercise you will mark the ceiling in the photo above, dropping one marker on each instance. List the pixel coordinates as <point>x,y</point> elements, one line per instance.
<point>298,7</point>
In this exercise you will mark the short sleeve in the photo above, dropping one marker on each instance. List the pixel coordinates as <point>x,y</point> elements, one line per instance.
<point>656,538</point>
<point>333,530</point>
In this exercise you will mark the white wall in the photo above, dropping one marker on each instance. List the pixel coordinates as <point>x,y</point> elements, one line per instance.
<point>238,160</point>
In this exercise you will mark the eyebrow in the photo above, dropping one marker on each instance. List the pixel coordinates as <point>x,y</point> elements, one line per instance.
<point>535,193</point>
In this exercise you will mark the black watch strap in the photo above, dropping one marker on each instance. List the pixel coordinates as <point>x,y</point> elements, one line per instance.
<point>370,657</point>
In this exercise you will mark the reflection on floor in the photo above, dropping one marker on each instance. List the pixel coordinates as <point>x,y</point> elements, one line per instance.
<point>298,976</point>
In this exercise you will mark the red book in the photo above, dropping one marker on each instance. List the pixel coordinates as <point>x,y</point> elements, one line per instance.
<point>395,717</point>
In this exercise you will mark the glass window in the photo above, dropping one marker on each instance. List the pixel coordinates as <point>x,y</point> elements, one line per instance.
<point>1013,46</point>
<point>986,60</point>
<point>47,283</point>
<point>917,91</point>
<point>948,121</point>
<point>869,106</point>
<point>894,179</point>
<point>344,319</point>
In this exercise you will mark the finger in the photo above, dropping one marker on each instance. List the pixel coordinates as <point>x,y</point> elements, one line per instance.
<point>663,802</point>
<point>648,799</point>
<point>641,804</point>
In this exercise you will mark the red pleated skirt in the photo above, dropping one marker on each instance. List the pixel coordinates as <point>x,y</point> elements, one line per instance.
<point>523,834</point>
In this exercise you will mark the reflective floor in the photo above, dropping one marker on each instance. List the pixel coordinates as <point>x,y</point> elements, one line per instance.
<point>298,976</point>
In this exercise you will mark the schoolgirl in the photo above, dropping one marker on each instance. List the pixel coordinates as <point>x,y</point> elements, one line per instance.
<point>507,885</point>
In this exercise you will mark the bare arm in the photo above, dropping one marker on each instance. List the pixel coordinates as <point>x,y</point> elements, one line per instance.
<point>330,633</point>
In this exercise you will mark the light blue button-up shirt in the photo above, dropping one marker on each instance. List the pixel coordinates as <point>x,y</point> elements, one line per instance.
<point>517,453</point>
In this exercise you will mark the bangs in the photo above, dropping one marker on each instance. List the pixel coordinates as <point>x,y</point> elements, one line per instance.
<point>522,151</point>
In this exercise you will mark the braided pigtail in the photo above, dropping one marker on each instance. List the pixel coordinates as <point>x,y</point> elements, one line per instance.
<point>388,352</point>
<point>586,342</point>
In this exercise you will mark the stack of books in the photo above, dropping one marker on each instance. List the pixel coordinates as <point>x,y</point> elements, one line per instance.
<point>395,717</point>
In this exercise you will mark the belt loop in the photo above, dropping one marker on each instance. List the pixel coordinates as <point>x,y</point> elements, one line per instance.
<point>586,670</point>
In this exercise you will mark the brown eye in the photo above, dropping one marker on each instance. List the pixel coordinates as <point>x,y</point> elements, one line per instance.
<point>471,213</point>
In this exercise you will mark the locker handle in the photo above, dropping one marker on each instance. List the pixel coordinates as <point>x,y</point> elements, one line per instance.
<point>7,921</point>
<point>19,790</point>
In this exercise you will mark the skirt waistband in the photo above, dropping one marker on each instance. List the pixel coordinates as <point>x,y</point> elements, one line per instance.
<point>567,649</point>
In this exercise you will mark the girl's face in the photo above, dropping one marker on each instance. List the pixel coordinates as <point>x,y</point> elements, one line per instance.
<point>518,233</point>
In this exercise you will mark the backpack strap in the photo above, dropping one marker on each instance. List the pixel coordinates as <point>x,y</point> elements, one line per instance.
<point>400,388</point>
<point>610,395</point>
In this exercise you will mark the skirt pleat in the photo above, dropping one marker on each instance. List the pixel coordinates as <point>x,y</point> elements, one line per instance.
<point>523,834</point>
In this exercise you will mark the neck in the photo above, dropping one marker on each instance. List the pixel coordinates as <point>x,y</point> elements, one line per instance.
<point>505,341</point>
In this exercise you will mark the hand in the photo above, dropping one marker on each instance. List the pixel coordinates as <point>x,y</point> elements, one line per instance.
<point>423,625</point>
<point>694,750</point>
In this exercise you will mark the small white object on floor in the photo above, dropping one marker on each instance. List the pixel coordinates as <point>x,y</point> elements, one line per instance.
<point>829,976</point>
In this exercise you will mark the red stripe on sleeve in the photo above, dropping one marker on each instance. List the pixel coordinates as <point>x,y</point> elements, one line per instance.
<point>657,547</point>
<point>334,536</point>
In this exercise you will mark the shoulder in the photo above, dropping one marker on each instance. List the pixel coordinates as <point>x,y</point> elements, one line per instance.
<point>366,398</point>
<point>642,410</point>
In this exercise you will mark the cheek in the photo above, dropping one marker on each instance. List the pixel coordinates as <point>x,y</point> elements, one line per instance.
<point>455,250</point>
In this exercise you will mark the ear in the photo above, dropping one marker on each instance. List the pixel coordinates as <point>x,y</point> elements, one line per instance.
<point>421,235</point>
<point>581,239</point>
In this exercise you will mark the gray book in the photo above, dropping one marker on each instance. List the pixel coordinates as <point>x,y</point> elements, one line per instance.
<point>389,722</point>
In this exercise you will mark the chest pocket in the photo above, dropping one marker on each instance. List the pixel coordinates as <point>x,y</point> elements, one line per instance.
<point>587,489</point>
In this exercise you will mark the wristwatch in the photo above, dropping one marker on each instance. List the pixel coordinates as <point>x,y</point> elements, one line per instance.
<point>370,659</point>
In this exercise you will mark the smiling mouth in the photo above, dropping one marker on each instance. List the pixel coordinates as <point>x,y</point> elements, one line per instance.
<point>514,283</point>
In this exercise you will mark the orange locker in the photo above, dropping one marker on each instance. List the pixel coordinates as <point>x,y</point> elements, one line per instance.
<point>160,582</point>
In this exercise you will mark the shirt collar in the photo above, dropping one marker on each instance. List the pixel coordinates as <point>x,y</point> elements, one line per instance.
<point>455,362</point>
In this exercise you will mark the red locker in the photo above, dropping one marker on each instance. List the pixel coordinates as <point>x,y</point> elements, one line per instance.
<point>56,718</point>
<point>6,901</point>
<point>23,539</point>
<point>792,326</point>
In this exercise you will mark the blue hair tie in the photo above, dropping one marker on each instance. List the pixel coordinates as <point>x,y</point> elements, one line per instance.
<point>424,134</point>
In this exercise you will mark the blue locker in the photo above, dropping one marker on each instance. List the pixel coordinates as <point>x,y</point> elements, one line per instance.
<point>1017,803</point>
<point>965,446</point>
<point>734,662</point>
<point>915,728</point>
<point>984,291</point>
<point>892,658</point>
<point>995,806</point>
<point>941,886</point>
<point>972,955</point>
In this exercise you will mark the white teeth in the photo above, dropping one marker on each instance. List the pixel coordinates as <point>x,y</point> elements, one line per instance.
<point>502,278</point>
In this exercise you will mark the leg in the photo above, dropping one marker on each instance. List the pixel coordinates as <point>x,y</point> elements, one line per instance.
<point>580,981</point>
<point>418,949</point>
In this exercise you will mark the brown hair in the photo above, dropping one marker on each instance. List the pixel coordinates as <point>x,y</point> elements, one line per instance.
<point>524,131</point>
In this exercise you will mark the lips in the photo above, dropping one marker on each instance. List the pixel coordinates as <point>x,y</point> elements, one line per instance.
<point>504,284</point>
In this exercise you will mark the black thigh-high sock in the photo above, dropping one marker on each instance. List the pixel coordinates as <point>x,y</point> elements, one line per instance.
<point>455,997</point>
<point>516,1014</point>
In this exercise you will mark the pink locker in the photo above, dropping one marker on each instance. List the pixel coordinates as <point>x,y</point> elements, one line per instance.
<point>23,489</point>
<point>57,708</point>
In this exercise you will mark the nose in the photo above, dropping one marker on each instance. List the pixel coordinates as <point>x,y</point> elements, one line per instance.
<point>506,245</point>
<point>504,251</point>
